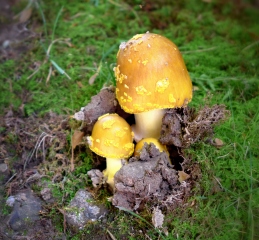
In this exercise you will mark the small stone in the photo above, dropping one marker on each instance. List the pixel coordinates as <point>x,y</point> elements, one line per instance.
<point>80,116</point>
<point>3,167</point>
<point>25,212</point>
<point>83,209</point>
<point>10,201</point>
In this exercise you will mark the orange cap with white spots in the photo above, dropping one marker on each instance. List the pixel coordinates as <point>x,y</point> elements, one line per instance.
<point>151,74</point>
<point>111,137</point>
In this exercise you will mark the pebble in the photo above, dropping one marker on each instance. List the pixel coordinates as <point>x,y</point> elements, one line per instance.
<point>83,209</point>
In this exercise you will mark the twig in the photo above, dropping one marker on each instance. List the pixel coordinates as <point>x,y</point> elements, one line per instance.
<point>111,235</point>
<point>198,51</point>
<point>250,46</point>
<point>218,182</point>
<point>41,139</point>
<point>61,71</point>
<point>10,179</point>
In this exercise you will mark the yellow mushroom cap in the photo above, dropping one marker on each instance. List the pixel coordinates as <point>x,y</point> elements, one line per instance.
<point>140,145</point>
<point>111,137</point>
<point>151,74</point>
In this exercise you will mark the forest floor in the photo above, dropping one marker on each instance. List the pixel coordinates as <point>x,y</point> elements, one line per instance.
<point>56,55</point>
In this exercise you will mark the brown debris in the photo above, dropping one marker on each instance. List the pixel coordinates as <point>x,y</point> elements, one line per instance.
<point>102,103</point>
<point>171,131</point>
<point>151,179</point>
<point>76,139</point>
<point>17,32</point>
<point>217,142</point>
<point>184,126</point>
<point>157,218</point>
<point>35,140</point>
<point>96,177</point>
<point>183,176</point>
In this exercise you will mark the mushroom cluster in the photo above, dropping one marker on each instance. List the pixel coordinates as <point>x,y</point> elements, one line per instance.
<point>151,76</point>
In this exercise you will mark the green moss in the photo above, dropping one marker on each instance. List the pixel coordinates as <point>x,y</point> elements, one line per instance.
<point>219,43</point>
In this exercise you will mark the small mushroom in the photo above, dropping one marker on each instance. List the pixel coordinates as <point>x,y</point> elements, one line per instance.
<point>141,143</point>
<point>151,76</point>
<point>111,138</point>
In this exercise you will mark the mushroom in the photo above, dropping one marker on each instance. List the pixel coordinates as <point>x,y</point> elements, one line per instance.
<point>150,77</point>
<point>111,138</point>
<point>141,143</point>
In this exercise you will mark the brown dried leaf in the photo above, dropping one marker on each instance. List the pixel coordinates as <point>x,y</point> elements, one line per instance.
<point>80,84</point>
<point>25,15</point>
<point>195,88</point>
<point>60,156</point>
<point>76,139</point>
<point>92,79</point>
<point>183,176</point>
<point>218,142</point>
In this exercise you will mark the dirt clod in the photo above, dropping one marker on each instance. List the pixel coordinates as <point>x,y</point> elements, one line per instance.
<point>97,177</point>
<point>102,103</point>
<point>148,179</point>
<point>171,132</point>
<point>184,126</point>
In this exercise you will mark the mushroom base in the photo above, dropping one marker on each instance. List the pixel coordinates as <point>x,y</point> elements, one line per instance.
<point>113,165</point>
<point>148,124</point>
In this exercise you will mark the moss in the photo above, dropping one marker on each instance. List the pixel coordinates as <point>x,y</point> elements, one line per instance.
<point>219,43</point>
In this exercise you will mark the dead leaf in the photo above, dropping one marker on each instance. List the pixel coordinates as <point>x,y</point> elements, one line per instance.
<point>25,15</point>
<point>183,176</point>
<point>76,139</point>
<point>216,185</point>
<point>80,84</point>
<point>195,88</point>
<point>92,79</point>
<point>218,142</point>
<point>49,74</point>
<point>60,156</point>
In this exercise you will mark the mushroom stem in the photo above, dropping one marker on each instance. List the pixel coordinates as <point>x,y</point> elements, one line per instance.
<point>148,124</point>
<point>113,165</point>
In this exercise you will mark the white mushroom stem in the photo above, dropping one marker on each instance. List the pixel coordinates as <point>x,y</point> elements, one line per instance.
<point>113,165</point>
<point>148,124</point>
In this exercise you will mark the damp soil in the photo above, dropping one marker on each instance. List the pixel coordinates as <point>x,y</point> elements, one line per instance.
<point>151,179</point>
<point>26,144</point>
<point>17,33</point>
